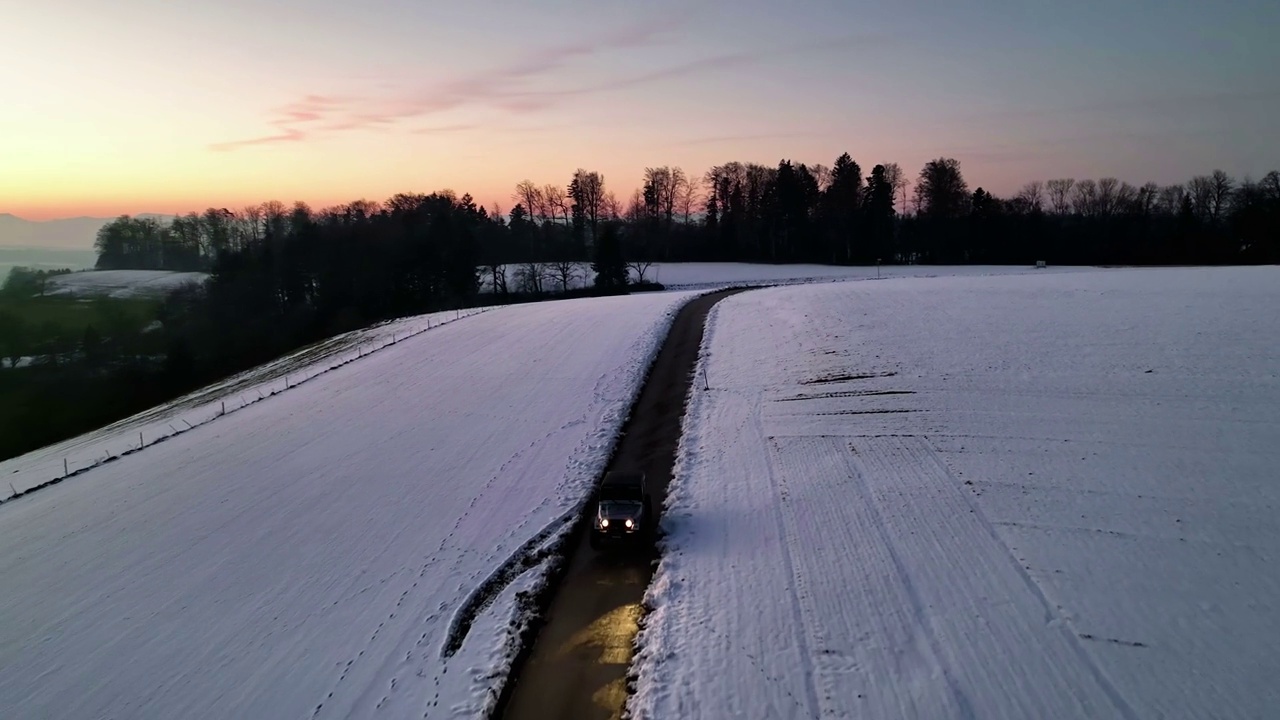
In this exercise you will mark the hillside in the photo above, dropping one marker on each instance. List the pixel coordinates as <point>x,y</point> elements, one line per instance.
<point>326,552</point>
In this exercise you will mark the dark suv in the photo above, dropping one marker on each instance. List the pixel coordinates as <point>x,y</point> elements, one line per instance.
<point>623,512</point>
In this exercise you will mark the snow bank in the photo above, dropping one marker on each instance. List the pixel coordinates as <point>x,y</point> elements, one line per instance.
<point>310,555</point>
<point>122,283</point>
<point>1014,497</point>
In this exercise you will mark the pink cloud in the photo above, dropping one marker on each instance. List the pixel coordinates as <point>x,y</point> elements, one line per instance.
<point>500,88</point>
<point>323,113</point>
<point>445,129</point>
<point>285,137</point>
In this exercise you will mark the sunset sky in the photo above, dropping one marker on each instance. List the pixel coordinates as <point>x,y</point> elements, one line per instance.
<point>158,106</point>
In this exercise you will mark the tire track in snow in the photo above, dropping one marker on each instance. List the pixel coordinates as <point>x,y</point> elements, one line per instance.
<point>1053,611</point>
<point>528,555</point>
<point>796,588</point>
<point>962,580</point>
<point>844,394</point>
<point>903,575</point>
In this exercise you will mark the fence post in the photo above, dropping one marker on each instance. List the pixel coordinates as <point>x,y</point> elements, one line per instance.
<point>65,472</point>
<point>224,408</point>
<point>141,444</point>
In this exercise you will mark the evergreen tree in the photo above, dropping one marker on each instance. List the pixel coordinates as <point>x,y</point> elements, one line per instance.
<point>840,204</point>
<point>609,266</point>
<point>878,215</point>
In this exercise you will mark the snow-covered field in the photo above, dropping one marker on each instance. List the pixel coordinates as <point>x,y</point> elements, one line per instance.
<point>122,283</point>
<point>1049,496</point>
<point>687,276</point>
<point>341,549</point>
<point>674,276</point>
<point>706,275</point>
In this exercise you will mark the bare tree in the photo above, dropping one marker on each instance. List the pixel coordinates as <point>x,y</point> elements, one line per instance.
<point>689,199</point>
<point>1084,198</point>
<point>1107,198</point>
<point>1146,199</point>
<point>497,276</point>
<point>611,207</point>
<point>1201,191</point>
<point>248,226</point>
<point>666,185</point>
<point>1170,200</point>
<point>822,174</point>
<point>275,218</point>
<point>1221,187</point>
<point>639,267</point>
<point>1059,192</point>
<point>530,196</point>
<point>1031,196</point>
<point>1126,198</point>
<point>896,178</point>
<point>1270,185</point>
<point>556,200</point>
<point>679,185</point>
<point>564,272</point>
<point>530,277</point>
<point>636,210</point>
<point>917,199</point>
<point>591,197</point>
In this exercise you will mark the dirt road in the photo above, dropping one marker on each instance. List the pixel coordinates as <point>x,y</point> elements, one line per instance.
<point>577,665</point>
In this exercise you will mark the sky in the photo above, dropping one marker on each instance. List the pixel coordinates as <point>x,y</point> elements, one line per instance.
<point>157,106</point>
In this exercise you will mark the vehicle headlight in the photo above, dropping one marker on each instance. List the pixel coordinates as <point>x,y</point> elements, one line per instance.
<point>604,522</point>
<point>629,524</point>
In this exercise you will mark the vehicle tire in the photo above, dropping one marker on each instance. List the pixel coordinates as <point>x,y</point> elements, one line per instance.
<point>593,541</point>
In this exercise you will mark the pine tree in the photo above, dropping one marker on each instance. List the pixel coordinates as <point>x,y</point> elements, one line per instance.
<point>840,205</point>
<point>609,266</point>
<point>878,214</point>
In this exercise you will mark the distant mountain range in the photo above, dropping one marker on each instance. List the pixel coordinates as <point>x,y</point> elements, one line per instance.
<point>66,234</point>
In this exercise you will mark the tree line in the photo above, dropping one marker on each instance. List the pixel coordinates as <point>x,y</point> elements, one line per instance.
<point>279,278</point>
<point>791,212</point>
<point>284,276</point>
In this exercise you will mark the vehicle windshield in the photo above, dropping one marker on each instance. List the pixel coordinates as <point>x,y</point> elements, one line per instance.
<point>619,508</point>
